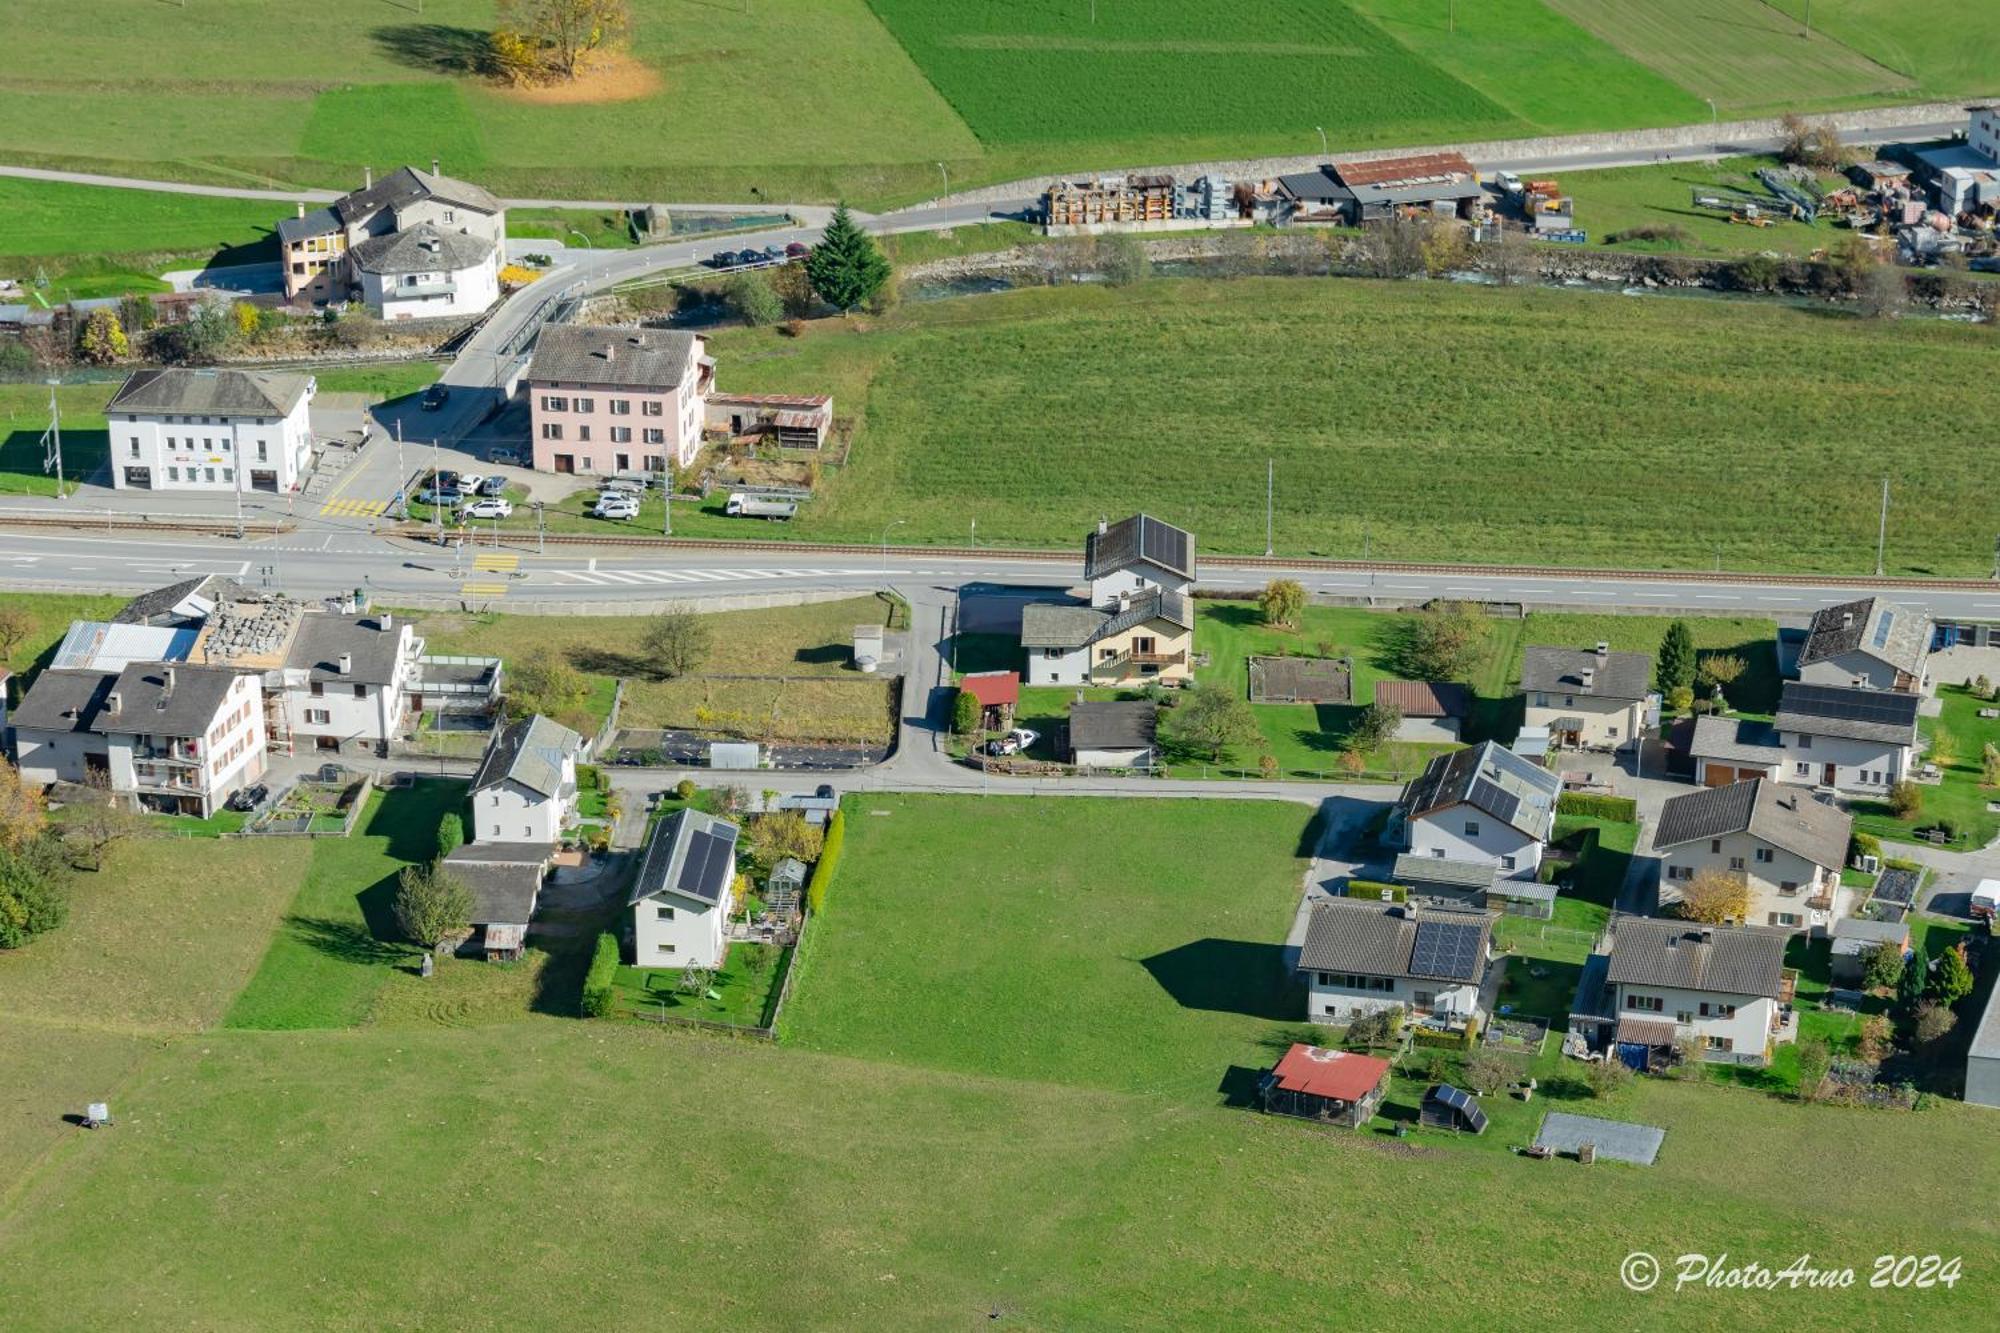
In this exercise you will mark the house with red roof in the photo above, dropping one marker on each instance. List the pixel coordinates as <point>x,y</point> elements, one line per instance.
<point>998,692</point>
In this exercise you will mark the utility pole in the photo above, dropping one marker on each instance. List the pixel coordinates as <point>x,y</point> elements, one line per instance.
<point>1270,482</point>
<point>437,501</point>
<point>541,529</point>
<point>1882,528</point>
<point>402,477</point>
<point>1451,15</point>
<point>239,504</point>
<point>947,178</point>
<point>667,495</point>
<point>54,435</point>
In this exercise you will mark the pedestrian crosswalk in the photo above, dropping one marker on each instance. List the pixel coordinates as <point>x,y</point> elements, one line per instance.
<point>496,562</point>
<point>479,589</point>
<point>606,577</point>
<point>354,508</point>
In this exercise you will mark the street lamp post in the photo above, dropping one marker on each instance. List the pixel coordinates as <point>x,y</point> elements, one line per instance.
<point>1324,151</point>
<point>947,177</point>
<point>581,237</point>
<point>55,434</point>
<point>892,523</point>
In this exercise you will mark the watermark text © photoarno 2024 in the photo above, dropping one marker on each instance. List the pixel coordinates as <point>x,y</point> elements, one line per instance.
<point>1641,1271</point>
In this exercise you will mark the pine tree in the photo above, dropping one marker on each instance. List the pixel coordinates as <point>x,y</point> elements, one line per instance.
<point>846,267</point>
<point>1677,664</point>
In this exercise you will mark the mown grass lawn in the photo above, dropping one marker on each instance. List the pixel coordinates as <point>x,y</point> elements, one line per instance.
<point>745,985</point>
<point>338,943</point>
<point>1475,388</point>
<point>1963,796</point>
<point>49,615</point>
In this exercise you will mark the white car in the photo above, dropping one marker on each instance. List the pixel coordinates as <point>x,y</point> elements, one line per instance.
<point>1015,741</point>
<point>470,482</point>
<point>612,507</point>
<point>491,507</point>
<point>1508,183</point>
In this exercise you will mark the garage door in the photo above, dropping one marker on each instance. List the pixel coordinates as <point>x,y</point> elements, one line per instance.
<point>1721,775</point>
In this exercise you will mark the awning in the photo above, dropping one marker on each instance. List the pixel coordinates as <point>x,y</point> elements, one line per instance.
<point>1571,723</point>
<point>1646,1031</point>
<point>505,937</point>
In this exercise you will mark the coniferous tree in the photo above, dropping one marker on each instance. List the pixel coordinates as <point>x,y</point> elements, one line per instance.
<point>846,267</point>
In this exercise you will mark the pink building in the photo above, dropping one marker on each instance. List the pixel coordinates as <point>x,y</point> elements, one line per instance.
<point>613,401</point>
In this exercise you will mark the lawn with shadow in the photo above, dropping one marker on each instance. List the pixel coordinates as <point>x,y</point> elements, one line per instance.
<point>339,943</point>
<point>1094,942</point>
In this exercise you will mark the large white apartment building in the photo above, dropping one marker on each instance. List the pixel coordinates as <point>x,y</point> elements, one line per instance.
<point>210,430</point>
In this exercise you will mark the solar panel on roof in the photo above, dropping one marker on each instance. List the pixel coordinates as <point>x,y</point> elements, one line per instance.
<point>1445,949</point>
<point>1495,800</point>
<point>705,855</point>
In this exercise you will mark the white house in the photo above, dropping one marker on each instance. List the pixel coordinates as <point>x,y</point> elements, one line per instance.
<point>1482,807</point>
<point>213,431</point>
<point>346,681</point>
<point>176,738</point>
<point>1868,644</point>
<point>425,273</point>
<point>1361,958</point>
<point>1136,554</point>
<point>1847,738</point>
<point>1724,986</point>
<point>1138,638</point>
<point>1786,847</point>
<point>684,892</point>
<point>1591,698</point>
<point>525,789</point>
<point>316,248</point>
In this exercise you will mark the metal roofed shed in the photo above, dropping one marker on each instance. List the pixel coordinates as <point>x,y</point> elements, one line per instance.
<point>735,755</point>
<point>1446,1107</point>
<point>1619,1140</point>
<point>1335,1087</point>
<point>1113,733</point>
<point>98,645</point>
<point>1982,1057</point>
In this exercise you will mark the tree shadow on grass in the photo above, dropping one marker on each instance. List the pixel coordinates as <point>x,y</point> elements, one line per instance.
<point>559,986</point>
<point>436,48</point>
<point>348,941</point>
<point>1230,977</point>
<point>825,654</point>
<point>1239,1087</point>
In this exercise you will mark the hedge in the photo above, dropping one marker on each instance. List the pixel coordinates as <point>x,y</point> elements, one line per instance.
<point>829,859</point>
<point>597,981</point>
<point>1617,809</point>
<point>1423,1036</point>
<point>1373,889</point>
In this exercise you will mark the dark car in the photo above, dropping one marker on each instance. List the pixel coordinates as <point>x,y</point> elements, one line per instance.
<point>435,396</point>
<point>825,792</point>
<point>797,250</point>
<point>246,799</point>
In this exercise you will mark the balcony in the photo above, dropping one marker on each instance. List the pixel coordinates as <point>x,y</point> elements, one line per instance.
<point>179,752</point>
<point>1119,664</point>
<point>152,778</point>
<point>419,291</point>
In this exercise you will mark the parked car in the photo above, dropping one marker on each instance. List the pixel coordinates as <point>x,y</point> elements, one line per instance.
<point>750,506</point>
<point>1509,184</point>
<point>493,485</point>
<point>508,456</point>
<point>440,495</point>
<point>797,250</point>
<point>634,486</point>
<point>1015,741</point>
<point>489,508</point>
<point>774,253</point>
<point>470,482</point>
<point>615,506</point>
<point>825,791</point>
<point>435,396</point>
<point>246,799</point>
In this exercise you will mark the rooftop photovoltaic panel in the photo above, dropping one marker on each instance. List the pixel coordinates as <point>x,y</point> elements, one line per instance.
<point>706,854</point>
<point>1445,949</point>
<point>1495,800</point>
<point>1851,705</point>
<point>1163,544</point>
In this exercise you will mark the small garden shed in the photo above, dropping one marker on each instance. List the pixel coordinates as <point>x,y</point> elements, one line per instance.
<point>1334,1087</point>
<point>1446,1107</point>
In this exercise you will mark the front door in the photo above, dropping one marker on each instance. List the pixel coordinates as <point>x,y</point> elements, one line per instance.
<point>566,463</point>
<point>140,477</point>
<point>1830,776</point>
<point>624,462</point>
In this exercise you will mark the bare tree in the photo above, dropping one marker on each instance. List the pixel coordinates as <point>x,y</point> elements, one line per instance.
<point>96,821</point>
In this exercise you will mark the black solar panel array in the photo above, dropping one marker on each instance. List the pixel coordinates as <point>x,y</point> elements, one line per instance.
<point>1446,949</point>
<point>709,860</point>
<point>1849,705</point>
<point>1163,544</point>
<point>1495,800</point>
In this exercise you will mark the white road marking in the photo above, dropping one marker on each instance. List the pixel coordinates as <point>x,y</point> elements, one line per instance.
<point>617,577</point>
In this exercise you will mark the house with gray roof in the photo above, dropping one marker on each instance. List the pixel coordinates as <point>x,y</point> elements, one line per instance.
<point>1482,806</point>
<point>684,892</point>
<point>525,788</point>
<point>506,883</point>
<point>1724,988</point>
<point>317,246</point>
<point>1114,733</point>
<point>1588,698</point>
<point>616,401</point>
<point>1136,638</point>
<point>1362,957</point>
<point>1870,644</point>
<point>1786,847</point>
<point>210,430</point>
<point>1734,749</point>
<point>426,273</point>
<point>346,681</point>
<point>1847,738</point>
<point>174,737</point>
<point>1136,554</point>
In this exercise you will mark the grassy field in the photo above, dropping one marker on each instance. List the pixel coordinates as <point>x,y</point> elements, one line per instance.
<point>1622,199</point>
<point>1421,452</point>
<point>876,93</point>
<point>51,614</point>
<point>1027,1108</point>
<point>338,943</point>
<point>1747,55</point>
<point>161,939</point>
<point>806,692</point>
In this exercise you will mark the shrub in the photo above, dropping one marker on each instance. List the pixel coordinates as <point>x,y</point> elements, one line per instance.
<point>1374,726</point>
<point>1676,659</point>
<point>965,713</point>
<point>1680,699</point>
<point>1374,889</point>
<point>597,981</point>
<point>1934,1022</point>
<point>1906,800</point>
<point>1472,1033</point>
<point>451,834</point>
<point>829,860</point>
<point>1882,966</point>
<point>1617,809</point>
<point>1815,1059</point>
<point>684,790</point>
<point>1282,602</point>
<point>1951,979</point>
<point>1608,1076</point>
<point>754,301</point>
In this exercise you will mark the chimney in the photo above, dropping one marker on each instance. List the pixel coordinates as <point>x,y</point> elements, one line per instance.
<point>367,178</point>
<point>1589,675</point>
<point>170,680</point>
<point>113,701</point>
<point>1706,935</point>
<point>386,621</point>
<point>434,168</point>
<point>302,208</point>
<point>346,663</point>
<point>1846,619</point>
<point>1603,650</point>
<point>1103,525</point>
